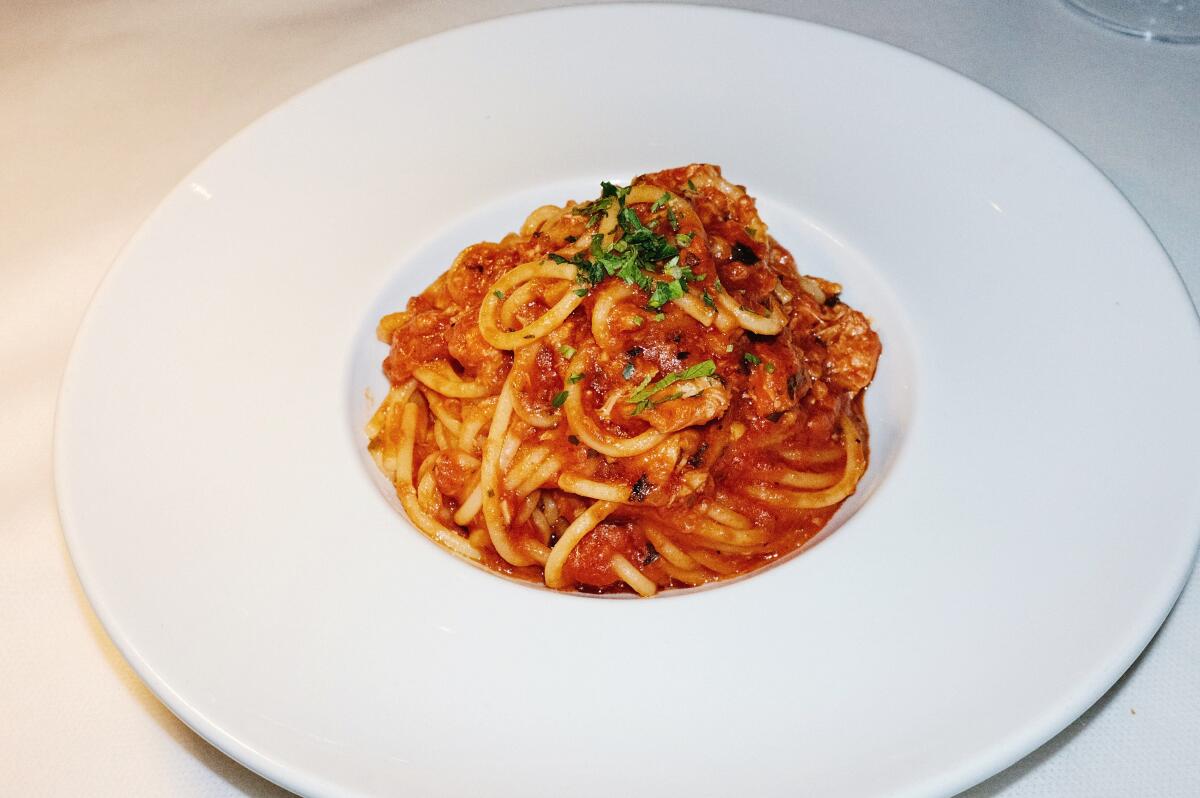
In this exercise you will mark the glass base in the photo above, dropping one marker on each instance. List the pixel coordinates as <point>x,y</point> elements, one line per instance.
<point>1175,21</point>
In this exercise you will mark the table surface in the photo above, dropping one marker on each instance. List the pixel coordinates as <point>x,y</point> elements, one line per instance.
<point>105,105</point>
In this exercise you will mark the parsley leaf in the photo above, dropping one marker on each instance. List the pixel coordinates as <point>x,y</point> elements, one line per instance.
<point>559,398</point>
<point>499,295</point>
<point>637,392</point>
<point>642,398</point>
<point>664,292</point>
<point>607,189</point>
<point>751,358</point>
<point>683,239</point>
<point>567,351</point>
<point>661,201</point>
<point>691,186</point>
<point>652,246</point>
<point>593,210</point>
<point>708,300</point>
<point>574,378</point>
<point>672,219</point>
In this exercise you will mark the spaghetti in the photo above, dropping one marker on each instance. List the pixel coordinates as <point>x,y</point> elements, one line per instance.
<point>631,394</point>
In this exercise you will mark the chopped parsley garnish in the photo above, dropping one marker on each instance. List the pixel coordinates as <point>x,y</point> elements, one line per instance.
<point>708,300</point>
<point>574,378</point>
<point>567,351</point>
<point>627,372</point>
<point>559,398</point>
<point>659,316</point>
<point>642,398</point>
<point>672,219</point>
<point>607,189</point>
<point>717,285</point>
<point>638,321</point>
<point>651,246</point>
<point>770,367</point>
<point>593,210</point>
<point>598,208</point>
<point>499,295</point>
<point>751,358</point>
<point>625,262</point>
<point>683,239</point>
<point>664,292</point>
<point>691,186</point>
<point>637,256</point>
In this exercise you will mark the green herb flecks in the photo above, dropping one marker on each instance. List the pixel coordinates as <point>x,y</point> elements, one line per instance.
<point>664,292</point>
<point>643,397</point>
<point>607,189</point>
<point>651,246</point>
<point>637,256</point>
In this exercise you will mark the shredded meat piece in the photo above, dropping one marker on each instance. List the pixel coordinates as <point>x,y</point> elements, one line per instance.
<point>773,386</point>
<point>420,338</point>
<point>450,473</point>
<point>702,401</point>
<point>466,344</point>
<point>852,350</point>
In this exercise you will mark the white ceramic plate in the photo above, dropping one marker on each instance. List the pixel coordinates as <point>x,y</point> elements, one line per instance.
<point>1031,511</point>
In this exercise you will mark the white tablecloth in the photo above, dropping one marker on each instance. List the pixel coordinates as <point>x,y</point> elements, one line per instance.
<point>105,105</point>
